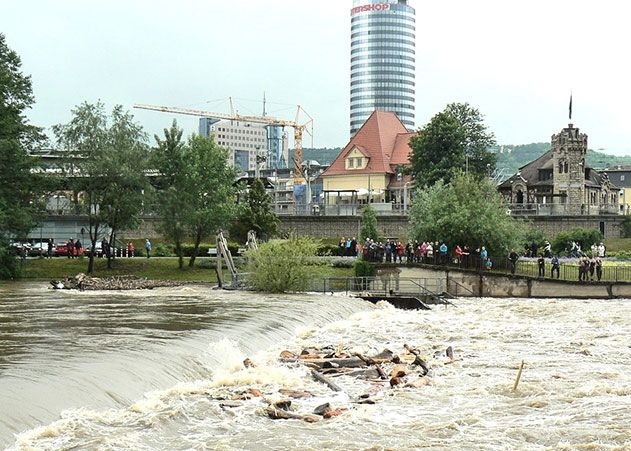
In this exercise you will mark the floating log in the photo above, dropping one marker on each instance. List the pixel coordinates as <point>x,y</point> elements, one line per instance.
<point>283,404</point>
<point>419,382</point>
<point>294,393</point>
<point>322,409</point>
<point>352,362</point>
<point>334,412</point>
<point>521,367</point>
<point>320,378</point>
<point>398,371</point>
<point>248,363</point>
<point>277,414</point>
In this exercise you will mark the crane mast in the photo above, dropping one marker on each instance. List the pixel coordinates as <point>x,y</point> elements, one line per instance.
<point>267,120</point>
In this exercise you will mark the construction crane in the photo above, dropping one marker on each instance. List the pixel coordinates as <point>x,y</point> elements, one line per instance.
<point>299,129</point>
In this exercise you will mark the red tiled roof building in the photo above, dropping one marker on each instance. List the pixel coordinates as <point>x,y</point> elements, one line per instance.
<point>368,169</point>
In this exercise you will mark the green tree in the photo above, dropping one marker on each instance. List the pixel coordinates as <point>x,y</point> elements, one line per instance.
<point>19,186</point>
<point>128,186</point>
<point>278,266</point>
<point>455,139</point>
<point>173,187</point>
<point>215,193</point>
<point>108,156</point>
<point>255,213</point>
<point>583,236</point>
<point>468,211</point>
<point>369,225</point>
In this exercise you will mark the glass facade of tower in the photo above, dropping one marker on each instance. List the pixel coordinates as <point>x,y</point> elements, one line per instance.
<point>383,60</point>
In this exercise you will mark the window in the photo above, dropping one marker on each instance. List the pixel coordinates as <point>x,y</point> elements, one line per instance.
<point>622,178</point>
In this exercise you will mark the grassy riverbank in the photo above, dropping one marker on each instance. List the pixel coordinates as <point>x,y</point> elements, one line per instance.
<point>159,268</point>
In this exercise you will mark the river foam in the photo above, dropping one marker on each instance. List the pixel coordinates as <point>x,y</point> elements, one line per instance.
<point>575,390</point>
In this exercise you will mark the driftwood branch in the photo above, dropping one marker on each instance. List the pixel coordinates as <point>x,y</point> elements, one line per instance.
<point>325,380</point>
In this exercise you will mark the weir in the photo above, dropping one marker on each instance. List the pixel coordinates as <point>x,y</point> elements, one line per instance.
<point>463,282</point>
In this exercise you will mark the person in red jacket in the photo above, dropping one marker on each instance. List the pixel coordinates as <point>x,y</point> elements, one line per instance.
<point>458,252</point>
<point>130,249</point>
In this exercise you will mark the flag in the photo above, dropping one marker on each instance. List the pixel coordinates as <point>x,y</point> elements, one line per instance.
<point>570,106</point>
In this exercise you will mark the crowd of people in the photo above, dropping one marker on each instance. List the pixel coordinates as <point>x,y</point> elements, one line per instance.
<point>427,252</point>
<point>590,267</point>
<point>74,249</point>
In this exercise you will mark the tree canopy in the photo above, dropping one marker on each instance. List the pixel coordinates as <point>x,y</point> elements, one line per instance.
<point>109,157</point>
<point>468,211</point>
<point>19,186</point>
<point>195,188</point>
<point>456,139</point>
<point>255,213</point>
<point>368,225</point>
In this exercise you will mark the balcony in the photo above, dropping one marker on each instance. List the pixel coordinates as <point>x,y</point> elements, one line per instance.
<point>562,209</point>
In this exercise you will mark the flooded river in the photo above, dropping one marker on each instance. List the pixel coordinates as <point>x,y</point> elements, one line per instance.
<point>144,370</point>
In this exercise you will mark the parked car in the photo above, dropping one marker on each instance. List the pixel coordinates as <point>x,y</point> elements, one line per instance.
<point>20,248</point>
<point>61,250</point>
<point>40,249</point>
<point>98,249</point>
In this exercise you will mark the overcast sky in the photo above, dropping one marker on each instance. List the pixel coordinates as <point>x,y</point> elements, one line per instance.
<point>515,61</point>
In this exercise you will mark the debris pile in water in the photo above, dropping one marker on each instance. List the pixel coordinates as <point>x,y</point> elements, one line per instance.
<point>330,366</point>
<point>83,282</point>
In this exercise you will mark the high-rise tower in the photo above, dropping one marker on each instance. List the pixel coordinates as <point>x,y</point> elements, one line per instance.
<point>382,60</point>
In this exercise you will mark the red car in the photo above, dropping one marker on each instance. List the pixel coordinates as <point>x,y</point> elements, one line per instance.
<point>62,251</point>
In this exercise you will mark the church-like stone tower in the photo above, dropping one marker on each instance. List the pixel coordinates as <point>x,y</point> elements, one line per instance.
<point>568,158</point>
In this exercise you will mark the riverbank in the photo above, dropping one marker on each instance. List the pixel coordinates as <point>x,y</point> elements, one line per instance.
<point>158,268</point>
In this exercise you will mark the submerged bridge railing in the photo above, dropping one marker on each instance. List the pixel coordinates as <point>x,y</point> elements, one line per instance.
<point>385,286</point>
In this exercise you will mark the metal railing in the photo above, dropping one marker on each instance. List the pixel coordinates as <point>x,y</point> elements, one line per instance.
<point>385,286</point>
<point>561,209</point>
<point>611,271</point>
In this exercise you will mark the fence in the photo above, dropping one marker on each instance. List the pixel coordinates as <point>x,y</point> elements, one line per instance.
<point>386,285</point>
<point>568,270</point>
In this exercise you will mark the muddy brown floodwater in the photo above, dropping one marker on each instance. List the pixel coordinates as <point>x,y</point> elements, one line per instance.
<point>144,370</point>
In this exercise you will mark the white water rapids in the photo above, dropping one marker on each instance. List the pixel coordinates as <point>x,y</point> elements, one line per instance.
<point>129,371</point>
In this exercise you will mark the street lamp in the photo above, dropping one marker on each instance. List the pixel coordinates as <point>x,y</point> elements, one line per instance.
<point>307,166</point>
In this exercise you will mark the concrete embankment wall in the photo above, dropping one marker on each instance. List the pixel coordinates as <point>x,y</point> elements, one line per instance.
<point>489,284</point>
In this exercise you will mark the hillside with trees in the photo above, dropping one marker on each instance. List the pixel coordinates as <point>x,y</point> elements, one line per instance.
<point>511,157</point>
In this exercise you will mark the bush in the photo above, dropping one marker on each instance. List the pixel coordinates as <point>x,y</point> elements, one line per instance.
<point>163,250</point>
<point>324,250</point>
<point>583,236</point>
<point>626,227</point>
<point>364,269</point>
<point>621,255</point>
<point>10,267</point>
<point>278,266</point>
<point>343,263</point>
<point>533,235</point>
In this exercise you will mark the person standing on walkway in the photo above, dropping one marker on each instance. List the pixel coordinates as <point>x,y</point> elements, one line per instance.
<point>555,267</point>
<point>77,247</point>
<point>483,257</point>
<point>148,247</point>
<point>512,260</point>
<point>130,249</point>
<point>599,268</point>
<point>541,262</point>
<point>50,250</point>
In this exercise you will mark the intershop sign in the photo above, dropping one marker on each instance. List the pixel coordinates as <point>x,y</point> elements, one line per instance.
<point>371,7</point>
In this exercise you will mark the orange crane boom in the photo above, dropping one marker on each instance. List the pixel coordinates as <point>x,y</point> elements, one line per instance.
<point>267,120</point>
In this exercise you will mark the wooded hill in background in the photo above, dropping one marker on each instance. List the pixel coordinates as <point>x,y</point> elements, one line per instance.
<point>510,157</point>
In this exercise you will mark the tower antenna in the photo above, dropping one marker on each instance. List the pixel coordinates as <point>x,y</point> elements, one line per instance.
<point>264,112</point>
